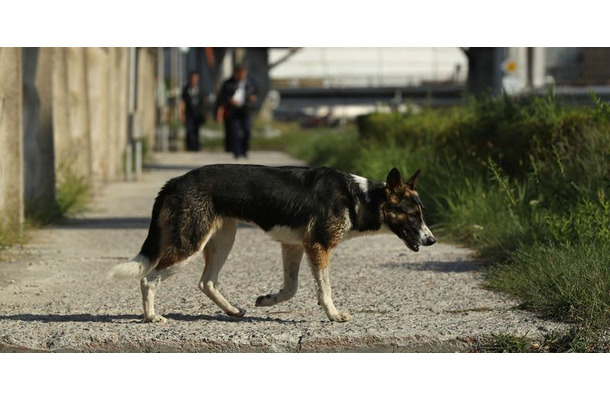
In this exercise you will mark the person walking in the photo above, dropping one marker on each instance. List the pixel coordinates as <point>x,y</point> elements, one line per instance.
<point>192,111</point>
<point>235,100</point>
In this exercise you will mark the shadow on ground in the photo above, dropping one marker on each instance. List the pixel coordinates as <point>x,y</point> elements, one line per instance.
<point>437,266</point>
<point>165,167</point>
<point>136,318</point>
<point>117,223</point>
<point>105,223</point>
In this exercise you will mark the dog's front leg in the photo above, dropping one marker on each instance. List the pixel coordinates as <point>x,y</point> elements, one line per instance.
<point>291,256</point>
<point>318,258</point>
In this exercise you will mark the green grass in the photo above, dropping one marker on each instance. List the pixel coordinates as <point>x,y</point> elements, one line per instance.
<point>10,236</point>
<point>72,195</point>
<point>73,192</point>
<point>575,340</point>
<point>524,181</point>
<point>569,282</point>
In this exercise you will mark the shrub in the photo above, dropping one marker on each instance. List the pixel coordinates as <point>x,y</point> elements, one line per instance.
<point>73,191</point>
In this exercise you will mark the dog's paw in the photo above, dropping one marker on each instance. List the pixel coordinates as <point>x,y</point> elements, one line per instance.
<point>240,313</point>
<point>265,301</point>
<point>340,317</point>
<point>155,318</point>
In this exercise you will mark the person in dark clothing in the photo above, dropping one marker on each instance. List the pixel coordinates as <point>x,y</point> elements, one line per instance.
<point>192,111</point>
<point>236,97</point>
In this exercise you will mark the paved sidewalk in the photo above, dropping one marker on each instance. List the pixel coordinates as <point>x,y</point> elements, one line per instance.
<point>54,295</point>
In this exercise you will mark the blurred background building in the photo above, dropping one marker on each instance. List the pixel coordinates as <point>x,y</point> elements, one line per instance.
<point>345,82</point>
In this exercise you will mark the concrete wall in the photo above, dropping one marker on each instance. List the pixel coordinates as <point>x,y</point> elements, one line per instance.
<point>90,115</point>
<point>66,110</point>
<point>11,144</point>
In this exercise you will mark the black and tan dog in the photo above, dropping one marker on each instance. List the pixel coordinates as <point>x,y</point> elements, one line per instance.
<point>308,210</point>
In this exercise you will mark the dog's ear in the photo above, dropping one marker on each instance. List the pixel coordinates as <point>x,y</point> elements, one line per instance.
<point>412,182</point>
<point>394,180</point>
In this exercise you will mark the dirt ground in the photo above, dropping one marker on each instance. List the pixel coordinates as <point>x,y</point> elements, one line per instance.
<point>54,294</point>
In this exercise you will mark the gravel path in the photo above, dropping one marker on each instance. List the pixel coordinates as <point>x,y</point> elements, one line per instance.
<point>54,295</point>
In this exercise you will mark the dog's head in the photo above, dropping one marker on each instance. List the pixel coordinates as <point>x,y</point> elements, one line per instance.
<point>403,212</point>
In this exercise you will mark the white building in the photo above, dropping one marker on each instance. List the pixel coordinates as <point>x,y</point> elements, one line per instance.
<point>368,67</point>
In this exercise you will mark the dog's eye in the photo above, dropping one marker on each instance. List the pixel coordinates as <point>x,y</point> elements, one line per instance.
<point>412,217</point>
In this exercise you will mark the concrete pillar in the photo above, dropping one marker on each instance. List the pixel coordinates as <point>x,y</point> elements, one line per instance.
<point>522,64</point>
<point>484,70</point>
<point>31,116</point>
<point>45,183</point>
<point>98,102</point>
<point>162,128</point>
<point>114,163</point>
<point>61,123</point>
<point>39,166</point>
<point>71,114</point>
<point>78,112</point>
<point>538,67</point>
<point>117,93</point>
<point>146,94</point>
<point>257,62</point>
<point>11,144</point>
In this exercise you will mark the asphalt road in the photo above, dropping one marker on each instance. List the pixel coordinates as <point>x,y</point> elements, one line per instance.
<point>54,294</point>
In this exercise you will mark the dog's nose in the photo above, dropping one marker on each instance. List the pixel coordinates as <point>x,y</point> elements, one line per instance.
<point>430,241</point>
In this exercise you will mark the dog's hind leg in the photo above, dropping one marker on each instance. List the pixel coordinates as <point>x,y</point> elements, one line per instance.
<point>291,256</point>
<point>318,257</point>
<point>215,253</point>
<point>171,261</point>
<point>150,283</point>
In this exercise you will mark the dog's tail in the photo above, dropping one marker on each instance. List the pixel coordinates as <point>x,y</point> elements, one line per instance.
<point>138,267</point>
<point>148,257</point>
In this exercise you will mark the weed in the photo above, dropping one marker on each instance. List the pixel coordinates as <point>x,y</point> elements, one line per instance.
<point>10,236</point>
<point>73,191</point>
<point>505,343</point>
<point>42,211</point>
<point>571,283</point>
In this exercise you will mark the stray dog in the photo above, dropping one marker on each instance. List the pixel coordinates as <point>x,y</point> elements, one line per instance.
<point>307,210</point>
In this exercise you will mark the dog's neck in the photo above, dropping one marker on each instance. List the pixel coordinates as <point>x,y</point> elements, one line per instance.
<point>368,218</point>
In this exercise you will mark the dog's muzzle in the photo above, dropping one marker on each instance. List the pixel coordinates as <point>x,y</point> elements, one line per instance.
<point>414,245</point>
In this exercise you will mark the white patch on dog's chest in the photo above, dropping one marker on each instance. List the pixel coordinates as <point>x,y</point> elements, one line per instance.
<point>285,234</point>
